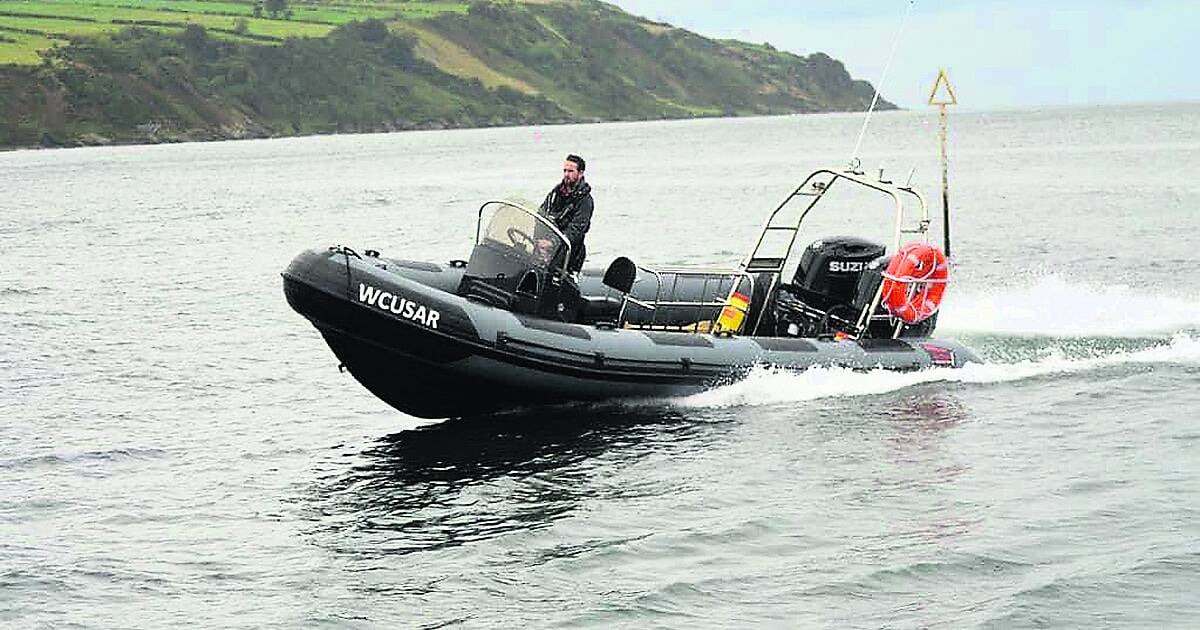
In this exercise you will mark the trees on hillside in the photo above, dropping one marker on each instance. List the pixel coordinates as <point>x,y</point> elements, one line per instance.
<point>275,7</point>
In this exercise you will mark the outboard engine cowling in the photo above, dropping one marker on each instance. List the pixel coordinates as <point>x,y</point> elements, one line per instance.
<point>869,281</point>
<point>821,298</point>
<point>830,269</point>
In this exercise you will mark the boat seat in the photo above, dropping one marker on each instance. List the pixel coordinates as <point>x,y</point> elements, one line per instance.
<point>599,308</point>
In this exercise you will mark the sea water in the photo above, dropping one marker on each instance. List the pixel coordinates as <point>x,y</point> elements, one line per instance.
<point>178,447</point>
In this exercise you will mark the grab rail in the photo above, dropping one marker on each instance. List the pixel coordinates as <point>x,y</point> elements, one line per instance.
<point>736,277</point>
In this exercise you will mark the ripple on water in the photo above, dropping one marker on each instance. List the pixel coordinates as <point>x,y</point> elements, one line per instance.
<point>1153,593</point>
<point>83,457</point>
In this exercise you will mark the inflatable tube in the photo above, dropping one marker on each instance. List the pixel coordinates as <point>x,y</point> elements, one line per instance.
<point>399,329</point>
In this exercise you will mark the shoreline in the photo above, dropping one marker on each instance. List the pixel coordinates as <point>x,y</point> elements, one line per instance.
<point>214,136</point>
<point>183,138</point>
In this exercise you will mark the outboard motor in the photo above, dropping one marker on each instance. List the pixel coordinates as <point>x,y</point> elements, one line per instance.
<point>869,281</point>
<point>821,298</point>
<point>830,268</point>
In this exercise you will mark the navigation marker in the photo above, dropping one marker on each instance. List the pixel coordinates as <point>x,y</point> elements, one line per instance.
<point>943,81</point>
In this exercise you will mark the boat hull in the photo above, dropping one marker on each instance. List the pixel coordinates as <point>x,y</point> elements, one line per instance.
<point>398,328</point>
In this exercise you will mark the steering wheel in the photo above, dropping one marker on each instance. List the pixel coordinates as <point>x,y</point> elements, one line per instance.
<point>516,236</point>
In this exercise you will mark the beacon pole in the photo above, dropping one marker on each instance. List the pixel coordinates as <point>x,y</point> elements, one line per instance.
<point>941,98</point>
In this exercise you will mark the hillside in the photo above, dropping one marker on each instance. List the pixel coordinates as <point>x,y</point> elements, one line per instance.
<point>98,71</point>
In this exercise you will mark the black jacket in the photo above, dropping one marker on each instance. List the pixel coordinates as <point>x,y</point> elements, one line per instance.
<point>571,211</point>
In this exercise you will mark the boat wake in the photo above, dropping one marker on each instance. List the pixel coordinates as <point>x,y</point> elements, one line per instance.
<point>1054,306</point>
<point>1049,326</point>
<point>770,386</point>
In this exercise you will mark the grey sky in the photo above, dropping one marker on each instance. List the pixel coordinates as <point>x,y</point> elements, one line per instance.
<point>999,53</point>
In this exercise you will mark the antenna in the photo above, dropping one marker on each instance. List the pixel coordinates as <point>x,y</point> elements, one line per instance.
<point>854,161</point>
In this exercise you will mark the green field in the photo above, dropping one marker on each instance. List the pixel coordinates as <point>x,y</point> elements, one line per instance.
<point>22,49</point>
<point>28,27</point>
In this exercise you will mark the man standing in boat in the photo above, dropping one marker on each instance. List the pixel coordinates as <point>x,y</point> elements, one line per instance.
<point>569,205</point>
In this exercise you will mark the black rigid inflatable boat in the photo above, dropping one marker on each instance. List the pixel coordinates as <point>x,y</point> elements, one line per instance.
<point>510,327</point>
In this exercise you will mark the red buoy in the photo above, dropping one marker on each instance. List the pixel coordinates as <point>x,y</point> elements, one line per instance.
<point>914,282</point>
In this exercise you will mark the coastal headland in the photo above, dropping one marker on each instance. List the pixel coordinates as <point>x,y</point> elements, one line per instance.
<point>94,72</point>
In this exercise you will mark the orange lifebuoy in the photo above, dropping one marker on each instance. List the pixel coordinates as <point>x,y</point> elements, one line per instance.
<point>914,282</point>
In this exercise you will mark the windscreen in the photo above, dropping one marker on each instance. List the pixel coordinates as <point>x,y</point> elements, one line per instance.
<point>521,233</point>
